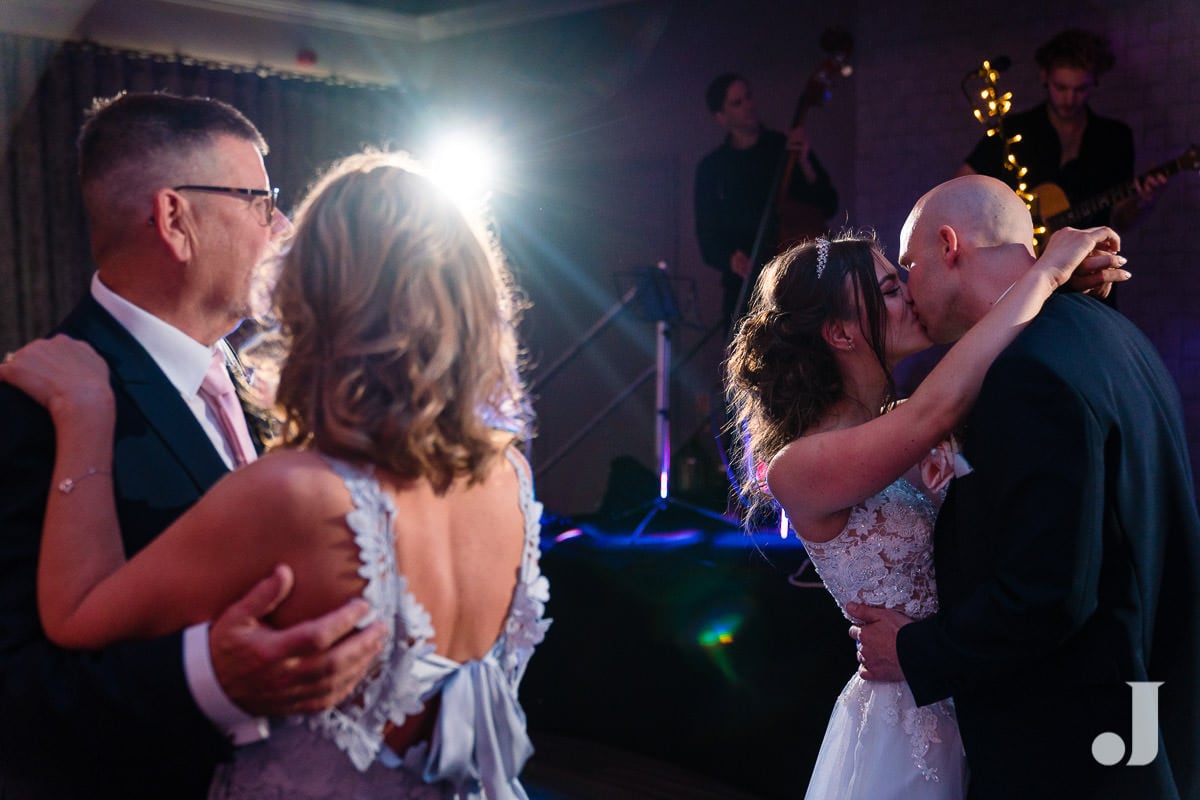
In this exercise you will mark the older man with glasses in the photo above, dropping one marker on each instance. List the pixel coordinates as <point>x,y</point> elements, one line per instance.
<point>180,216</point>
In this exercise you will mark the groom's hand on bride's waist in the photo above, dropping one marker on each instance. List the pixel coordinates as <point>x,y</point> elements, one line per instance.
<point>876,637</point>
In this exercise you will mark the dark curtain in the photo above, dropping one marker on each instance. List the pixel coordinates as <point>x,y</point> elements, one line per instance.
<point>45,86</point>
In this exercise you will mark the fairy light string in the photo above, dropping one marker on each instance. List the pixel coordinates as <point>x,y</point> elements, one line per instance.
<point>990,112</point>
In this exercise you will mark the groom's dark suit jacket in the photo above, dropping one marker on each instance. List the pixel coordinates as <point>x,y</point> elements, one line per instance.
<point>1068,563</point>
<point>120,722</point>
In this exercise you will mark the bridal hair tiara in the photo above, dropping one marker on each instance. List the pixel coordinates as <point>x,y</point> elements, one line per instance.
<point>822,255</point>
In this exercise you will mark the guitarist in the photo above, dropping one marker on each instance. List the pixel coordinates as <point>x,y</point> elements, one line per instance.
<point>1063,141</point>
<point>734,183</point>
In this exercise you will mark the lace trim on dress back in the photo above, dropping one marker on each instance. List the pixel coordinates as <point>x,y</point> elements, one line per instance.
<point>400,681</point>
<point>526,627</point>
<point>390,692</point>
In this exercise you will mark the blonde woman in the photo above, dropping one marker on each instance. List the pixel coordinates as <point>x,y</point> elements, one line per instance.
<point>396,481</point>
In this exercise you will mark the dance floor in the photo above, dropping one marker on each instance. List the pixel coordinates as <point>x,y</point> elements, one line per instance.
<point>680,664</point>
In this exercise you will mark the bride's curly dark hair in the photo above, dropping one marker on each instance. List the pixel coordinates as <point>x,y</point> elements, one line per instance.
<point>781,375</point>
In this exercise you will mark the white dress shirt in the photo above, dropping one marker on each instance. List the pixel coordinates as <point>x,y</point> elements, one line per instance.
<point>184,361</point>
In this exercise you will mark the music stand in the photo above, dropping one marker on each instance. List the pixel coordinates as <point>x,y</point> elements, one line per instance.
<point>656,302</point>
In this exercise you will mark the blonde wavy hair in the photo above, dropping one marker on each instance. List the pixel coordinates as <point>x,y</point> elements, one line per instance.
<point>399,319</point>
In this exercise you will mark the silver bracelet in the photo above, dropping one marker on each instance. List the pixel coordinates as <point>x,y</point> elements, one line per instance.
<point>67,485</point>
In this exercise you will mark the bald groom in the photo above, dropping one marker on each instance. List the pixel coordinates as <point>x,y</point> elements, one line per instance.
<point>1068,561</point>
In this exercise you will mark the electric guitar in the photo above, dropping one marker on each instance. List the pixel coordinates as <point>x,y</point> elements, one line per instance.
<point>1053,210</point>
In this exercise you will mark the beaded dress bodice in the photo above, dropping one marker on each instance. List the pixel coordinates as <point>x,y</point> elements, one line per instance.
<point>884,555</point>
<point>880,744</point>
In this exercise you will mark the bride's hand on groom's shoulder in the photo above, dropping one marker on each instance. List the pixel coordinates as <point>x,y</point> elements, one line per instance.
<point>876,637</point>
<point>1085,260</point>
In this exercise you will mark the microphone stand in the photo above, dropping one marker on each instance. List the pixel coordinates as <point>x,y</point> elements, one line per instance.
<point>662,421</point>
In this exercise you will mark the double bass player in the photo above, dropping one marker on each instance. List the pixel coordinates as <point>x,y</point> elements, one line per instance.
<point>735,190</point>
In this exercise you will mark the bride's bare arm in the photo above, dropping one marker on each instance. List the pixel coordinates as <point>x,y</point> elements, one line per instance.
<point>817,477</point>
<point>88,596</point>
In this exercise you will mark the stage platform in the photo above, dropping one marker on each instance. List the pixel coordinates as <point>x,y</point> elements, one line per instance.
<point>686,653</point>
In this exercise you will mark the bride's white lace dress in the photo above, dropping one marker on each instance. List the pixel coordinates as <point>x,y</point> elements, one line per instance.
<point>879,744</point>
<point>479,743</point>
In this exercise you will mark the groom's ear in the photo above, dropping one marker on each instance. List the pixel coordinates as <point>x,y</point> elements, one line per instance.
<point>948,245</point>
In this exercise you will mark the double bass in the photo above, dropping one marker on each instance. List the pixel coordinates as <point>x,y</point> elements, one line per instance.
<point>797,221</point>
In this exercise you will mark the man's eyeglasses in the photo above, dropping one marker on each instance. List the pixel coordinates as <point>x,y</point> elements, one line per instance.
<point>269,196</point>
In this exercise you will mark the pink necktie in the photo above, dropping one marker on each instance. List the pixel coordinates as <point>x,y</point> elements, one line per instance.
<point>217,390</point>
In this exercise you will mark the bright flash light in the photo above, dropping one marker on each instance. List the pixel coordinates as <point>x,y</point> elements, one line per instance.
<point>464,167</point>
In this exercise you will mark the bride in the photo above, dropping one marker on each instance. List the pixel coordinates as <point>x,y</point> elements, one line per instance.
<point>810,377</point>
<point>395,483</point>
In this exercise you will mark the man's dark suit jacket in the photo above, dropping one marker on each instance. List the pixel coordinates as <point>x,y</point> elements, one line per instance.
<point>120,722</point>
<point>1068,563</point>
